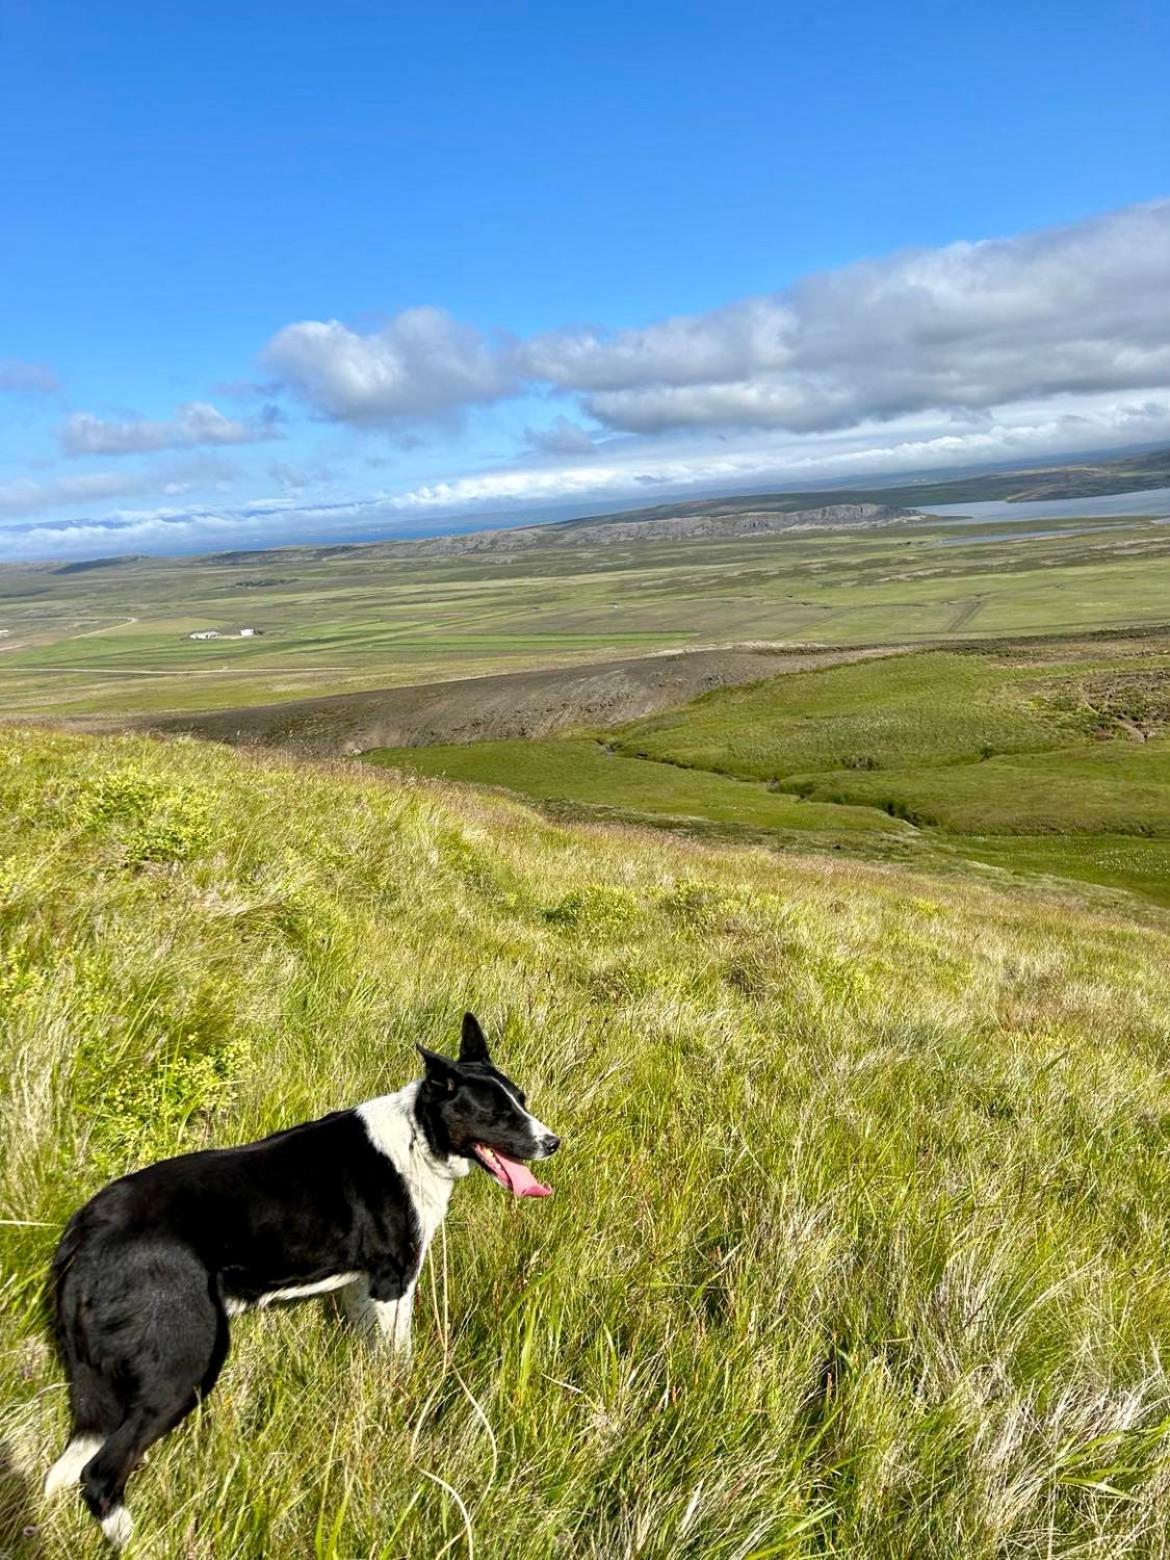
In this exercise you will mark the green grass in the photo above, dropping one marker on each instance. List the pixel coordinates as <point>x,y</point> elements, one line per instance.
<point>1060,740</point>
<point>928,709</point>
<point>859,1238</point>
<point>586,771</point>
<point>1121,789</point>
<point>1135,864</point>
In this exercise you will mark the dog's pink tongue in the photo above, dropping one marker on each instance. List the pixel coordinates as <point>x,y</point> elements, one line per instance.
<point>521,1179</point>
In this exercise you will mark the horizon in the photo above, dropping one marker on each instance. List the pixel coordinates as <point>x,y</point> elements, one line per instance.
<point>328,285</point>
<point>563,515</point>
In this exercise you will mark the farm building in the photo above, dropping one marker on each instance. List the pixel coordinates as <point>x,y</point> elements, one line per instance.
<point>225,633</point>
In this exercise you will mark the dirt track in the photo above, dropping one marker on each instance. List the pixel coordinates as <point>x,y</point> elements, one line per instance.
<point>515,704</point>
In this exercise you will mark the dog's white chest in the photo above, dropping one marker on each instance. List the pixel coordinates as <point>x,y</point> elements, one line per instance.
<point>428,1182</point>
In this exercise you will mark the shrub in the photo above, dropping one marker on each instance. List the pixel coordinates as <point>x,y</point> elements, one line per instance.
<point>598,907</point>
<point>147,1113</point>
<point>698,904</point>
<point>151,820</point>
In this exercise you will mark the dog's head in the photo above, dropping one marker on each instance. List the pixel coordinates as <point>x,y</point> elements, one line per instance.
<point>469,1108</point>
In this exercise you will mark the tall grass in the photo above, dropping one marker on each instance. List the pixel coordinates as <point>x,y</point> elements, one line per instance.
<point>859,1239</point>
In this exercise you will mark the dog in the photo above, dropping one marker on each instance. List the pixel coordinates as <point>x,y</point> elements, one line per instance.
<point>148,1272</point>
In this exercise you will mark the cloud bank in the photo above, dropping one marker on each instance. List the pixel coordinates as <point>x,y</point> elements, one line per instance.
<point>967,327</point>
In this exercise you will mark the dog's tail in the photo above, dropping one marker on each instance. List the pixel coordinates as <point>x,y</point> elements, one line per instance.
<point>67,1470</point>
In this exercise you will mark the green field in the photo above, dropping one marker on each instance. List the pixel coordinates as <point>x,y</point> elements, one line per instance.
<point>858,1242</point>
<point>587,771</point>
<point>931,709</point>
<point>984,754</point>
<point>112,640</point>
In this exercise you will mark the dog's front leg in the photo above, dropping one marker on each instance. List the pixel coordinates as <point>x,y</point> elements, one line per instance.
<point>382,1319</point>
<point>403,1310</point>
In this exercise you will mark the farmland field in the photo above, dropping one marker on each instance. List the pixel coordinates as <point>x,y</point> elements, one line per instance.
<point>112,640</point>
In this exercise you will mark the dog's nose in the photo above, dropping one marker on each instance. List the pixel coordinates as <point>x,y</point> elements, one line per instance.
<point>550,1143</point>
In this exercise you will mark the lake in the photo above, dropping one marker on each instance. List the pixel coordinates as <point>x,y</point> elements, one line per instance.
<point>1154,501</point>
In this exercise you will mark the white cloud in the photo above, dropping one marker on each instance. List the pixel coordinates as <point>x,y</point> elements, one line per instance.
<point>421,364</point>
<point>21,378</point>
<point>294,477</point>
<point>25,496</point>
<point>972,325</point>
<point>196,423</point>
<point>629,468</point>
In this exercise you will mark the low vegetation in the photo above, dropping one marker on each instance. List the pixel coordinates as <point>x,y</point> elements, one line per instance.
<point>589,771</point>
<point>1046,758</point>
<point>859,1238</point>
<point>930,710</point>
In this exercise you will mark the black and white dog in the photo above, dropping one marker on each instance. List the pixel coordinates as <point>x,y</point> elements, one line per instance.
<point>148,1272</point>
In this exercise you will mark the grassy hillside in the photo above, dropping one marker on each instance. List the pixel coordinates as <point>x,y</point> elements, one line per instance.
<point>921,710</point>
<point>859,1238</point>
<point>1048,758</point>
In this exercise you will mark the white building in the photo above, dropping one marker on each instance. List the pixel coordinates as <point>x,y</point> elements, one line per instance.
<point>231,633</point>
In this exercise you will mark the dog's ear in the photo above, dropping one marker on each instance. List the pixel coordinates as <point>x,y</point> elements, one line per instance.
<point>440,1070</point>
<point>473,1046</point>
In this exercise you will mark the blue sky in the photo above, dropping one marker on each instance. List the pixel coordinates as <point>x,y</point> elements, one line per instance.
<point>280,272</point>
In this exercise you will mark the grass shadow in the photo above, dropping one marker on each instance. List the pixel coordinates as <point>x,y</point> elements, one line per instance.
<point>20,1537</point>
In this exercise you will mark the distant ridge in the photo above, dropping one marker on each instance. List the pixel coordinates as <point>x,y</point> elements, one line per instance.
<point>760,514</point>
<point>85,564</point>
<point>713,519</point>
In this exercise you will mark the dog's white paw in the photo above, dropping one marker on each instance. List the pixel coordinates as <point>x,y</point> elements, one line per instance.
<point>118,1527</point>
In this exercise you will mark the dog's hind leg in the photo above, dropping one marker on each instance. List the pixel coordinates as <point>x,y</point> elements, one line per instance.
<point>163,1336</point>
<point>97,1410</point>
<point>103,1480</point>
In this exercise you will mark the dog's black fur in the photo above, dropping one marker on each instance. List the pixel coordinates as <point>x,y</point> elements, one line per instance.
<point>146,1272</point>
